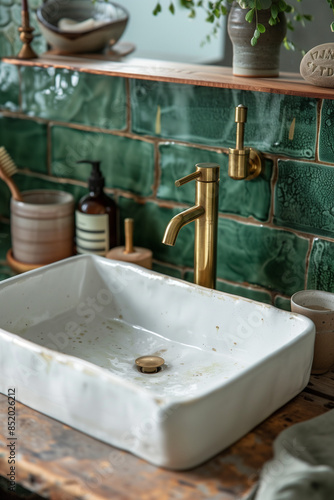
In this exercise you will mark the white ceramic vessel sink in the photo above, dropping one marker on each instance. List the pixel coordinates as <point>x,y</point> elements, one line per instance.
<point>71,331</point>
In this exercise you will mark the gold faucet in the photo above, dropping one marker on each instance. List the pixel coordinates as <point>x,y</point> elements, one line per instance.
<point>244,163</point>
<point>205,215</point>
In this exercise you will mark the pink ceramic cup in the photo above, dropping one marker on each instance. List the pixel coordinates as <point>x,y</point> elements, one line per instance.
<point>319,307</point>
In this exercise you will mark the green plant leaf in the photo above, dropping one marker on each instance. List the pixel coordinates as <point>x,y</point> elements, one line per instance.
<point>289,25</point>
<point>157,9</point>
<point>250,15</point>
<point>217,13</point>
<point>253,41</point>
<point>274,11</point>
<point>171,8</point>
<point>332,26</point>
<point>288,44</point>
<point>282,5</point>
<point>261,28</point>
<point>257,34</point>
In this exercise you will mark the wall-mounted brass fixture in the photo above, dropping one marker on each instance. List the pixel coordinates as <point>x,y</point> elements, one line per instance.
<point>243,163</point>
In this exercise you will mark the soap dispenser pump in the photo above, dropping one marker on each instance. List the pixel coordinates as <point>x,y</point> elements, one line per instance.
<point>96,216</point>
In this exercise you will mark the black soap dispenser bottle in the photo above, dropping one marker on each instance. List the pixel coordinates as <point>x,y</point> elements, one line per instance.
<point>95,217</point>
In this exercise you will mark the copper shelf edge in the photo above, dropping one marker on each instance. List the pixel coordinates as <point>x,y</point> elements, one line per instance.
<point>191,74</point>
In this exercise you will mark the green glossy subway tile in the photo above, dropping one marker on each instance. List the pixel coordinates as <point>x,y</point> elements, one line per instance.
<point>126,163</point>
<point>189,276</point>
<point>27,182</point>
<point>169,271</point>
<point>326,146</point>
<point>271,258</point>
<point>304,197</point>
<point>150,222</point>
<point>176,161</point>
<point>5,241</point>
<point>71,96</point>
<point>235,197</point>
<point>5,272</point>
<point>248,293</point>
<point>5,15</point>
<point>9,87</point>
<point>5,44</point>
<point>10,21</point>
<point>5,198</point>
<point>282,303</point>
<point>235,289</point>
<point>321,266</point>
<point>26,142</point>
<point>247,198</point>
<point>276,123</point>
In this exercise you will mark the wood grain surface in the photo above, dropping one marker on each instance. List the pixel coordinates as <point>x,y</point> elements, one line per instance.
<point>148,69</point>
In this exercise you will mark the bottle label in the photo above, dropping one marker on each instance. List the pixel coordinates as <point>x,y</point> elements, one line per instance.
<point>92,233</point>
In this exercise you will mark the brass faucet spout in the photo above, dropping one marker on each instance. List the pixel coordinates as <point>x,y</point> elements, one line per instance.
<point>180,220</point>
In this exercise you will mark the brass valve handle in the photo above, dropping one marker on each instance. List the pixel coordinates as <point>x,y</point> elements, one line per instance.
<point>187,178</point>
<point>205,172</point>
<point>240,119</point>
<point>244,163</point>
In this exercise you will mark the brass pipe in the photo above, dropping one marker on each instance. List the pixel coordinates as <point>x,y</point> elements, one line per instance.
<point>205,254</point>
<point>240,119</point>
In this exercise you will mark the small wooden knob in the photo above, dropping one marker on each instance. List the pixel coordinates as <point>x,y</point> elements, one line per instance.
<point>129,253</point>
<point>128,232</point>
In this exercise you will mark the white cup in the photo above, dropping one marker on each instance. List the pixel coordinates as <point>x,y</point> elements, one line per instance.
<point>319,307</point>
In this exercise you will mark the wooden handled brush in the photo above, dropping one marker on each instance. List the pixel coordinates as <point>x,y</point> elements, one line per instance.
<point>7,169</point>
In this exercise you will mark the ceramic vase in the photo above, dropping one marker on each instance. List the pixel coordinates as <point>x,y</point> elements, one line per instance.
<point>262,60</point>
<point>42,226</point>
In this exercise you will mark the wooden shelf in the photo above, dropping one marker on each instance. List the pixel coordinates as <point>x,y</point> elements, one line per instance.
<point>148,69</point>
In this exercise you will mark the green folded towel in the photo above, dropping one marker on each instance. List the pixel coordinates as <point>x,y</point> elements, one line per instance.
<point>303,463</point>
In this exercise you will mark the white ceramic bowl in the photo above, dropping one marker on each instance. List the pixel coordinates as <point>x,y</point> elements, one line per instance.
<point>89,40</point>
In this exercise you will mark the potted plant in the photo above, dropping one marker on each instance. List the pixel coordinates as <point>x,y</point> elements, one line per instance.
<point>257,29</point>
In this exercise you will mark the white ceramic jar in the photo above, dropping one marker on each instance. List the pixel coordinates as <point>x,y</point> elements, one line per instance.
<point>42,226</point>
<point>318,305</point>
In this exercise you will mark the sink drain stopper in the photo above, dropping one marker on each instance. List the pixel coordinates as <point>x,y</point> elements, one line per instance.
<point>149,364</point>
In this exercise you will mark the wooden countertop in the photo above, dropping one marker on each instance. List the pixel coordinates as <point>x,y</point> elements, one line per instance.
<point>194,74</point>
<point>60,463</point>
